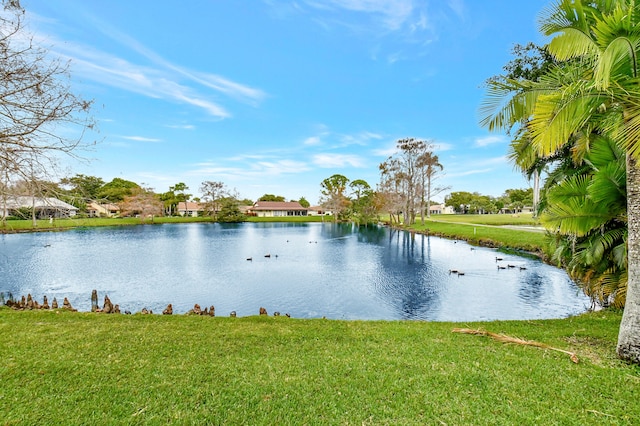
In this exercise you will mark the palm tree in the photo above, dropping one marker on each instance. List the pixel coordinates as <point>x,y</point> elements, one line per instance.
<point>429,166</point>
<point>594,89</point>
<point>587,211</point>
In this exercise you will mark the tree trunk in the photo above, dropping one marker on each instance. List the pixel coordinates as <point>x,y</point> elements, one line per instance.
<point>429,196</point>
<point>536,192</point>
<point>629,335</point>
<point>34,223</point>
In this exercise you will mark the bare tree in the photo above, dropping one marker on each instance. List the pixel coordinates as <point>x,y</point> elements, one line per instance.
<point>212,193</point>
<point>144,203</point>
<point>389,189</point>
<point>406,177</point>
<point>37,108</point>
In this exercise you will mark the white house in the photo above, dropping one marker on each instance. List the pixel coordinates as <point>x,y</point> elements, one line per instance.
<point>441,209</point>
<point>95,209</point>
<point>44,207</point>
<point>190,208</point>
<point>317,211</point>
<point>277,209</point>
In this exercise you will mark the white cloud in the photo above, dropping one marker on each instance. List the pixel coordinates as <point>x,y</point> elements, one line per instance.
<point>161,80</point>
<point>385,152</point>
<point>393,14</point>
<point>181,126</point>
<point>458,8</point>
<point>279,167</point>
<point>469,172</point>
<point>255,167</point>
<point>337,160</point>
<point>312,140</point>
<point>141,139</point>
<point>361,138</point>
<point>490,140</point>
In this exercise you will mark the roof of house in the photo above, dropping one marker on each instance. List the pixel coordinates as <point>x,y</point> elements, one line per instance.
<point>19,201</point>
<point>190,206</point>
<point>277,205</point>
<point>106,206</point>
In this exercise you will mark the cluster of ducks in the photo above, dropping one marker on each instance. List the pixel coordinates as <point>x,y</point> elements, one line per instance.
<point>266,255</point>
<point>500,266</point>
<point>508,266</point>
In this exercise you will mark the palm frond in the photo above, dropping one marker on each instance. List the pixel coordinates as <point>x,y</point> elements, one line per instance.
<point>618,59</point>
<point>559,116</point>
<point>515,340</point>
<point>562,14</point>
<point>574,43</point>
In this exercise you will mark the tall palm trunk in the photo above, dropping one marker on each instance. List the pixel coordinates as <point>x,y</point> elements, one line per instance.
<point>629,335</point>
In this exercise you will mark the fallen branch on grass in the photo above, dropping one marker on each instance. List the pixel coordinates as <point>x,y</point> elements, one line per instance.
<point>507,339</point>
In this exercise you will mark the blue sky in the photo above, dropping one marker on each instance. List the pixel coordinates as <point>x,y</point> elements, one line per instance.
<point>273,96</point>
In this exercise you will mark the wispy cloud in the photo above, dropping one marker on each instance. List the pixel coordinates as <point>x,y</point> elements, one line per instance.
<point>141,139</point>
<point>362,138</point>
<point>490,140</point>
<point>181,126</point>
<point>313,140</point>
<point>340,140</point>
<point>469,172</point>
<point>338,160</point>
<point>160,79</point>
<point>392,14</point>
<point>251,167</point>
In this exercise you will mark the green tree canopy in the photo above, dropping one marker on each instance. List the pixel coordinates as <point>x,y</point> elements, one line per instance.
<point>271,197</point>
<point>303,202</point>
<point>116,190</point>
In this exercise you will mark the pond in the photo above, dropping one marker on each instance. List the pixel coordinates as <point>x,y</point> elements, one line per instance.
<point>309,270</point>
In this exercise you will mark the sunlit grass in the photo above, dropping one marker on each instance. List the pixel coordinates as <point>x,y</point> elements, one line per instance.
<point>488,219</point>
<point>494,236</point>
<point>83,368</point>
<point>63,224</point>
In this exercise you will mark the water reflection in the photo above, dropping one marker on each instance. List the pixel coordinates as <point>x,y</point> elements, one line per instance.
<point>313,270</point>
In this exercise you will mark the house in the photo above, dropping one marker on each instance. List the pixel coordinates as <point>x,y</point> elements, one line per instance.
<point>45,207</point>
<point>277,209</point>
<point>190,208</point>
<point>516,210</point>
<point>245,209</point>
<point>317,211</point>
<point>95,209</point>
<point>441,209</point>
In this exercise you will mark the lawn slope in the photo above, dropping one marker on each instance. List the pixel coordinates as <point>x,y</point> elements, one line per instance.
<point>84,368</point>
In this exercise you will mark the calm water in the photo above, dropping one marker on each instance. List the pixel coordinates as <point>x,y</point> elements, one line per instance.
<point>315,270</point>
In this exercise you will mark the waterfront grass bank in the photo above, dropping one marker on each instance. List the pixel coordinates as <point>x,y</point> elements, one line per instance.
<point>84,368</point>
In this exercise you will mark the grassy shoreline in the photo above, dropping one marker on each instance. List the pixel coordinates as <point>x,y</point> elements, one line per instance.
<point>84,368</point>
<point>19,226</point>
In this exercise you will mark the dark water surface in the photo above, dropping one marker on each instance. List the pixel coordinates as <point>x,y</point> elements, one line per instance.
<point>315,270</point>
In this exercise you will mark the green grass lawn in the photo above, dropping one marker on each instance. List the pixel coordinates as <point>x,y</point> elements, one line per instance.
<point>84,368</point>
<point>488,230</point>
<point>505,238</point>
<point>63,224</point>
<point>488,219</point>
